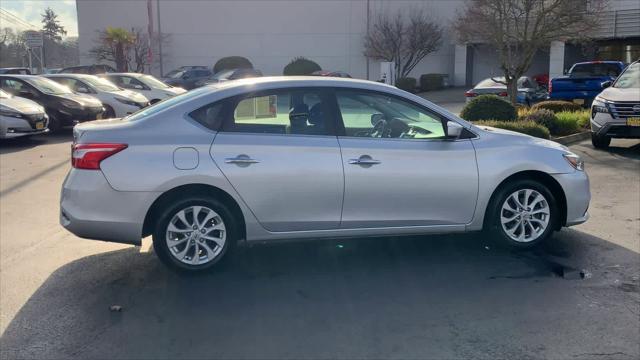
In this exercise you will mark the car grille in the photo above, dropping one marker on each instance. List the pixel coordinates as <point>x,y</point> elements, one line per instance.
<point>33,119</point>
<point>624,109</point>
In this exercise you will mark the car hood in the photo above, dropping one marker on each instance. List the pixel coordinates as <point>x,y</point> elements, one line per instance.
<point>618,94</point>
<point>128,94</point>
<point>175,90</point>
<point>84,100</point>
<point>21,105</point>
<point>520,137</point>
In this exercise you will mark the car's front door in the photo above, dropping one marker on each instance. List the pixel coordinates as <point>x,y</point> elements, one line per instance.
<point>279,151</point>
<point>400,170</point>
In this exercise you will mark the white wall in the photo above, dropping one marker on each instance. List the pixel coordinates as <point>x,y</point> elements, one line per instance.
<point>269,33</point>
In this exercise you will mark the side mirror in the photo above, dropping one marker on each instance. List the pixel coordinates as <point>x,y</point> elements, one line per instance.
<point>82,90</point>
<point>454,130</point>
<point>606,84</point>
<point>137,87</point>
<point>25,94</point>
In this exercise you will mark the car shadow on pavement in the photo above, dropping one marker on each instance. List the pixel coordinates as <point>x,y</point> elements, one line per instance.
<point>8,146</point>
<point>416,297</point>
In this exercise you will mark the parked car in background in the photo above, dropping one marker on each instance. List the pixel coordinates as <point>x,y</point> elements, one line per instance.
<point>192,67</point>
<point>147,85</point>
<point>21,117</point>
<point>117,102</point>
<point>542,80</point>
<point>584,81</point>
<point>15,70</point>
<point>63,106</point>
<point>187,78</point>
<point>204,169</point>
<point>53,71</point>
<point>615,112</point>
<point>341,74</point>
<point>529,92</point>
<point>88,69</point>
<point>226,75</point>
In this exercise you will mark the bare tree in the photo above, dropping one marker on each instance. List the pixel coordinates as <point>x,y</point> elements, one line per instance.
<point>517,29</point>
<point>403,39</point>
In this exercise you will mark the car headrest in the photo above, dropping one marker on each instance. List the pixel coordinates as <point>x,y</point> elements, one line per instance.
<point>299,114</point>
<point>317,114</point>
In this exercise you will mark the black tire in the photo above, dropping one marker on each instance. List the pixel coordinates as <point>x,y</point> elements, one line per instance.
<point>171,208</point>
<point>600,142</point>
<point>54,124</point>
<point>108,113</point>
<point>495,227</point>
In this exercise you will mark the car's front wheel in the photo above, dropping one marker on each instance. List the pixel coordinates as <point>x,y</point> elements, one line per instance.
<point>194,234</point>
<point>524,214</point>
<point>600,142</point>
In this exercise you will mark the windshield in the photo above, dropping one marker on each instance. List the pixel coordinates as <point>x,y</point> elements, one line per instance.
<point>162,105</point>
<point>4,95</point>
<point>99,83</point>
<point>630,78</point>
<point>594,70</point>
<point>175,74</point>
<point>153,82</point>
<point>48,86</point>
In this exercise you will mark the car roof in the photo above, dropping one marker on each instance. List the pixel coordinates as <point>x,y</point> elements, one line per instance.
<point>268,82</point>
<point>132,74</point>
<point>20,76</point>
<point>598,62</point>
<point>68,75</point>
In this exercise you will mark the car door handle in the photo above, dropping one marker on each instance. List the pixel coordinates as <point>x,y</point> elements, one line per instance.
<point>241,160</point>
<point>364,160</point>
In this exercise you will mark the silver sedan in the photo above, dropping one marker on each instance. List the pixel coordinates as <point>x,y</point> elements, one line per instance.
<point>309,157</point>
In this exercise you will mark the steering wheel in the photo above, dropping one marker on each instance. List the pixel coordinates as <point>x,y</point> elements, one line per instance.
<point>379,129</point>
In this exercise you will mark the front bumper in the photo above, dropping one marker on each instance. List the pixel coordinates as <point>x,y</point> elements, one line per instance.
<point>90,208</point>
<point>11,127</point>
<point>578,195</point>
<point>603,124</point>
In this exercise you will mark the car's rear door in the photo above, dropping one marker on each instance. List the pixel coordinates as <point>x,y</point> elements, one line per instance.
<point>399,168</point>
<point>279,151</point>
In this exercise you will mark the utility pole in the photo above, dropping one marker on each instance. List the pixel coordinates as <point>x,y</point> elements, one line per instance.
<point>368,21</point>
<point>159,39</point>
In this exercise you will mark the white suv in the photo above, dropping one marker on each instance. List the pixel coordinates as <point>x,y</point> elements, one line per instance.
<point>615,112</point>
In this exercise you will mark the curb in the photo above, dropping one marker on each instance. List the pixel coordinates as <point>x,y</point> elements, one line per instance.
<point>573,138</point>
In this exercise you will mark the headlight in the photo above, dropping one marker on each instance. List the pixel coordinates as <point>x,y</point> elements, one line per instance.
<point>128,101</point>
<point>10,113</point>
<point>598,106</point>
<point>71,104</point>
<point>575,161</point>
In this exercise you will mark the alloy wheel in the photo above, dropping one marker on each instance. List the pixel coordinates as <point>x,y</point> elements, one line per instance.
<point>525,215</point>
<point>195,235</point>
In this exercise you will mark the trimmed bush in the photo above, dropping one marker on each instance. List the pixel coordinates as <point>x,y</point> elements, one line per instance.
<point>572,122</point>
<point>525,127</point>
<point>557,106</point>
<point>301,66</point>
<point>431,82</point>
<point>407,84</point>
<point>232,62</point>
<point>545,118</point>
<point>488,107</point>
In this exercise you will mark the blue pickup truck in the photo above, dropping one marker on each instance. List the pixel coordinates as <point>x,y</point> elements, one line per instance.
<point>584,81</point>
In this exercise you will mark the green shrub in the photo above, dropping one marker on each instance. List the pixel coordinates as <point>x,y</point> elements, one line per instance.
<point>407,84</point>
<point>488,107</point>
<point>557,106</point>
<point>525,127</point>
<point>572,122</point>
<point>232,62</point>
<point>431,82</point>
<point>301,66</point>
<point>545,118</point>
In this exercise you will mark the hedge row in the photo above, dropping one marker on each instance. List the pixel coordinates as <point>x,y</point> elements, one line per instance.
<point>525,127</point>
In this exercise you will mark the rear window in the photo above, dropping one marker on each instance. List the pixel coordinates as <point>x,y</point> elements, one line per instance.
<point>594,70</point>
<point>165,104</point>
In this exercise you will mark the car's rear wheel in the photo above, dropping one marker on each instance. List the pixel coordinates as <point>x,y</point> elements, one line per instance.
<point>524,214</point>
<point>194,234</point>
<point>600,142</point>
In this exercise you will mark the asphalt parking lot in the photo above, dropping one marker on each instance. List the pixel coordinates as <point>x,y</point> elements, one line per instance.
<point>418,297</point>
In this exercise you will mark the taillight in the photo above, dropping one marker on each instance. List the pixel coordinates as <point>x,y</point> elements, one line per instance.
<point>549,87</point>
<point>470,93</point>
<point>89,156</point>
<point>504,93</point>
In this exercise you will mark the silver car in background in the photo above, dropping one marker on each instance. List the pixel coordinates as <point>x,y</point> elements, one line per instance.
<point>529,92</point>
<point>21,117</point>
<point>310,157</point>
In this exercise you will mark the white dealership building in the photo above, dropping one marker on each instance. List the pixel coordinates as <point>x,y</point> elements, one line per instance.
<point>272,32</point>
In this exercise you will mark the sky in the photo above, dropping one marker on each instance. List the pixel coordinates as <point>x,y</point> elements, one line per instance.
<point>31,10</point>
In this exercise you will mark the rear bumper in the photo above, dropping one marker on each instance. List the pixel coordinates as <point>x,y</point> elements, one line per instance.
<point>90,208</point>
<point>578,195</point>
